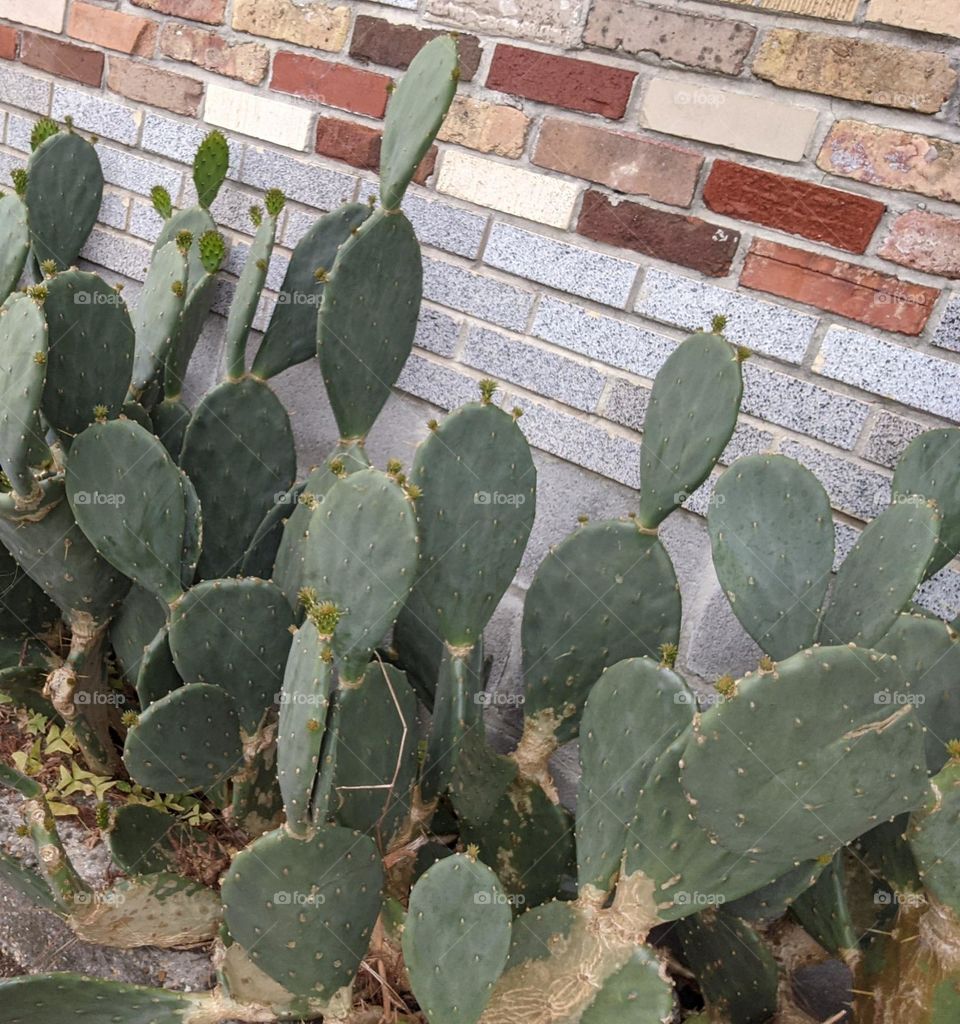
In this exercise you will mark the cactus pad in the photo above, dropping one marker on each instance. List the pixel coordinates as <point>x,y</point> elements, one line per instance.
<point>636,993</point>
<point>260,556</point>
<point>135,520</point>
<point>170,419</point>
<point>772,536</point>
<point>234,633</point>
<point>15,236</point>
<point>185,741</point>
<point>210,165</point>
<point>456,939</point>
<point>133,627</point>
<point>141,839</point>
<point>690,418</point>
<point>158,675</point>
<point>156,318</point>
<point>932,836</point>
<point>368,319</point>
<point>304,908</point>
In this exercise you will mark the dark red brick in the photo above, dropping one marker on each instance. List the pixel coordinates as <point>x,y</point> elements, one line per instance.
<point>842,219</point>
<point>688,241</point>
<point>62,59</point>
<point>359,146</point>
<point>8,42</point>
<point>382,42</point>
<point>562,81</point>
<point>336,85</point>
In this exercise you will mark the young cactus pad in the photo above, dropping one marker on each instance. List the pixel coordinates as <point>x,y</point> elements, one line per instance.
<point>15,236</point>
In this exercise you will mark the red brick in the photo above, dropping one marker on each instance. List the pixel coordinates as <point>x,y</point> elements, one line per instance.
<point>688,241</point>
<point>336,85</point>
<point>148,84</point>
<point>359,145</point>
<point>841,219</point>
<point>426,166</point>
<point>112,29</point>
<point>8,42</point>
<point>382,42</point>
<point>924,241</point>
<point>859,293</point>
<point>245,61</point>
<point>62,59</point>
<point>208,11</point>
<point>562,81</point>
<point>627,163</point>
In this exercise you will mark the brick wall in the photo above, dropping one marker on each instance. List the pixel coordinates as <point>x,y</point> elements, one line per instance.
<point>613,172</point>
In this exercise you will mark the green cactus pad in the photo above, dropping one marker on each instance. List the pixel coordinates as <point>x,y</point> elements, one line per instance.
<point>307,681</point>
<point>361,554</point>
<point>480,777</point>
<point>135,411</point>
<point>141,839</point>
<point>772,901</point>
<point>234,633</point>
<point>932,836</point>
<point>928,656</point>
<point>375,724</point>
<point>304,909</point>
<point>928,469</point>
<point>635,994</point>
<point>239,452</point>
<point>199,223</point>
<point>290,337</point>
<point>773,539</point>
<point>26,882</point>
<point>690,418</point>
<point>133,628</point>
<point>885,852</point>
<point>880,574</point>
<point>569,636</point>
<point>260,556</point>
<point>535,929</point>
<point>23,356</point>
<point>210,165</point>
<point>414,115</point>
<point>457,711</point>
<point>158,675</point>
<point>368,319</point>
<point>737,974</point>
<point>90,350</point>
<point>15,239</point>
<point>811,744</point>
<point>824,913</point>
<point>55,552</point>
<point>192,532</point>
<point>170,419</point>
<point>635,710</point>
<point>64,192</point>
<point>288,565</point>
<point>156,318</point>
<point>195,313</point>
<point>185,741</point>
<point>127,496</point>
<point>23,605</point>
<point>456,939</point>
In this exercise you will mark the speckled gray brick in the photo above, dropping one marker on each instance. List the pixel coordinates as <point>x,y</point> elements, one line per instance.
<point>95,114</point>
<point>113,210</point>
<point>534,368</point>
<point>690,304</point>
<point>8,163</point>
<point>801,406</point>
<point>231,208</point>
<point>859,492</point>
<point>305,182</point>
<point>136,173</point>
<point>298,223</point>
<point>615,342</point>
<point>237,259</point>
<point>903,374</point>
<point>578,441</point>
<point>569,268</point>
<point>947,334</point>
<point>717,644</point>
<point>888,437</point>
<point>23,90</point>
<point>117,252</point>
<point>18,132</point>
<point>437,332</point>
<point>145,222</point>
<point>844,537</point>
<point>438,384</point>
<point>941,594</point>
<point>626,403</point>
<point>746,440</point>
<point>179,140</point>
<point>437,224</point>
<point>483,297</point>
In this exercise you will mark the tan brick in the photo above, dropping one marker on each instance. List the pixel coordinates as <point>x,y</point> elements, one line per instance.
<point>542,21</point>
<point>892,158</point>
<point>208,11</point>
<point>263,118</point>
<point>312,24</point>
<point>941,17</point>
<point>924,241</point>
<point>698,41</point>
<point>112,29</point>
<point>836,10</point>
<point>856,69</point>
<point>749,123</point>
<point>246,61</point>
<point>151,85</point>
<point>46,14</point>
<point>487,127</point>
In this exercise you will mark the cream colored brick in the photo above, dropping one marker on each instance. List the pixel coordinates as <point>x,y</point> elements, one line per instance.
<point>249,114</point>
<point>837,10</point>
<point>507,189</point>
<point>542,21</point>
<point>309,24</point>
<point>939,16</point>
<point>488,127</point>
<point>46,14</point>
<point>725,118</point>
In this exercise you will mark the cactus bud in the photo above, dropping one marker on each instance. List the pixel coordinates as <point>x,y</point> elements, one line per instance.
<point>49,267</point>
<point>130,719</point>
<point>455,74</point>
<point>487,388</point>
<point>391,88</point>
<point>256,215</point>
<point>338,468</point>
<point>40,358</point>
<point>472,851</point>
<point>274,201</point>
<point>22,830</point>
<point>668,655</point>
<point>118,287</point>
<point>43,130</point>
<point>313,725</point>
<point>19,176</point>
<point>100,413</point>
<point>323,614</point>
<point>394,466</point>
<point>953,749</point>
<point>177,288</point>
<point>162,203</point>
<point>321,275</point>
<point>212,251</point>
<point>68,121</point>
<point>371,201</point>
<point>718,323</point>
<point>326,655</point>
<point>726,686</point>
<point>583,520</point>
<point>184,240</point>
<point>767,664</point>
<point>743,353</point>
<point>37,292</point>
<point>432,424</point>
<point>308,501</point>
<point>413,492</point>
<point>516,412</point>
